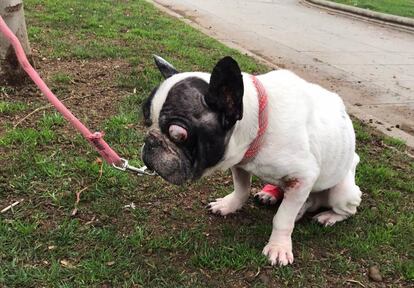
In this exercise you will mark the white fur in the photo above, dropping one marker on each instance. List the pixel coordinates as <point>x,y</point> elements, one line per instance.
<point>309,139</point>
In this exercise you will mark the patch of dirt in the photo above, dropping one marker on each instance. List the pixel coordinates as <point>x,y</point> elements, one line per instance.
<point>90,94</point>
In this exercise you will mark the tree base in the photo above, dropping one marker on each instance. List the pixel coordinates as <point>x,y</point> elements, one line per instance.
<point>11,71</point>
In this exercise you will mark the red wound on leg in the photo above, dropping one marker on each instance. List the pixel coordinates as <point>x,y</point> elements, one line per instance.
<point>291,183</point>
<point>274,191</point>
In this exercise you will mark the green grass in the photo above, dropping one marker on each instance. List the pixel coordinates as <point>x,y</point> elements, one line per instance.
<point>27,137</point>
<point>403,8</point>
<point>8,107</point>
<point>61,78</point>
<point>169,239</point>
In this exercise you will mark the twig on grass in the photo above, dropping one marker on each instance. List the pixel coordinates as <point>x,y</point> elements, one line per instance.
<point>91,221</point>
<point>399,151</point>
<point>11,206</point>
<point>31,113</point>
<point>75,210</point>
<point>356,282</point>
<point>44,108</point>
<point>258,272</point>
<point>99,162</point>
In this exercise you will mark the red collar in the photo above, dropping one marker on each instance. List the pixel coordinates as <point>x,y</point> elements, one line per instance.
<point>263,117</point>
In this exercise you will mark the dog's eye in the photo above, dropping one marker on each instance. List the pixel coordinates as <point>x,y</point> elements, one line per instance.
<point>177,133</point>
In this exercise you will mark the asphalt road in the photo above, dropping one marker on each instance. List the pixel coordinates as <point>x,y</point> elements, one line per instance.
<point>370,65</point>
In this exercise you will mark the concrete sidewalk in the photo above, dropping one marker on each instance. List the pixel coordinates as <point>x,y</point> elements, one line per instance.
<point>370,66</point>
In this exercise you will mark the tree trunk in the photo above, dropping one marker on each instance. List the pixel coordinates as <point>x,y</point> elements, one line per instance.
<point>13,14</point>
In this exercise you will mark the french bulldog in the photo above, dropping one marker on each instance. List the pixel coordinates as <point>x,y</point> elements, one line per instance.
<point>201,122</point>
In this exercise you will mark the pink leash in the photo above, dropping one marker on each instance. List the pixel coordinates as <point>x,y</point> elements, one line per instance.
<point>96,139</point>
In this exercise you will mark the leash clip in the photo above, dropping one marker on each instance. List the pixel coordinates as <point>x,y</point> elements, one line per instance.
<point>140,171</point>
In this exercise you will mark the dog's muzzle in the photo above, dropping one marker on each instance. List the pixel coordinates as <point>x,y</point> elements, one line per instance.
<point>165,158</point>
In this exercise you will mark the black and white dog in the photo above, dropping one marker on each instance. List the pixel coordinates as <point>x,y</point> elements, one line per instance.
<point>200,122</point>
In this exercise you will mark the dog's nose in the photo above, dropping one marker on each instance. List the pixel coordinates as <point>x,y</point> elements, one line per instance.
<point>153,139</point>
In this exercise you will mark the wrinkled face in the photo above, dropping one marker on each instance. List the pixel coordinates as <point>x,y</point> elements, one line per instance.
<point>188,137</point>
<point>188,128</point>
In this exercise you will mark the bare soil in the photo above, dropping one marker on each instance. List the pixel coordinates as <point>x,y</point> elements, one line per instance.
<point>91,95</point>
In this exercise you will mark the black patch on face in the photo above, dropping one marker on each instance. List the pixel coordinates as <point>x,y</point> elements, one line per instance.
<point>204,147</point>
<point>146,107</point>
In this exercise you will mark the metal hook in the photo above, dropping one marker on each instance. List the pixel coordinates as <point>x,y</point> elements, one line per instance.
<point>140,171</point>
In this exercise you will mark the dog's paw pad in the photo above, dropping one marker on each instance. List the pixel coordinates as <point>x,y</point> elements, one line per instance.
<point>226,205</point>
<point>328,218</point>
<point>278,254</point>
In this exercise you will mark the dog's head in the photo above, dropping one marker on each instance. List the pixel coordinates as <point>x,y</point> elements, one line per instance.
<point>190,117</point>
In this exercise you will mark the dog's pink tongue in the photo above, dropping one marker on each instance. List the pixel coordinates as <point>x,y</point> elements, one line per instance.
<point>177,133</point>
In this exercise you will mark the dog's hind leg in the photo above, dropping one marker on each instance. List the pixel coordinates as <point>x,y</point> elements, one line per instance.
<point>343,198</point>
<point>309,204</point>
<point>315,201</point>
<point>235,200</point>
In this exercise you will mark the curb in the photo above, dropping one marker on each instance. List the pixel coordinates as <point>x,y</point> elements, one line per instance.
<point>403,22</point>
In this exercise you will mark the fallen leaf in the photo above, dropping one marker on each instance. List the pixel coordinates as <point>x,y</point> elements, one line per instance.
<point>66,264</point>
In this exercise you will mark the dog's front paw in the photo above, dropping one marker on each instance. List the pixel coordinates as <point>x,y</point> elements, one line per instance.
<point>227,205</point>
<point>265,198</point>
<point>279,253</point>
<point>269,195</point>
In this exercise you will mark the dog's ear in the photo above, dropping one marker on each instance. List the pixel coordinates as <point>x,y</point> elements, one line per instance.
<point>225,94</point>
<point>166,69</point>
